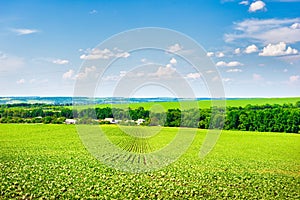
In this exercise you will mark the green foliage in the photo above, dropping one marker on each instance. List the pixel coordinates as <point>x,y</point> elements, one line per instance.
<point>173,118</point>
<point>49,162</point>
<point>263,118</point>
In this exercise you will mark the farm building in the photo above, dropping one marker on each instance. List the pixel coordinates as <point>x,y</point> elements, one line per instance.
<point>140,121</point>
<point>110,120</point>
<point>70,121</point>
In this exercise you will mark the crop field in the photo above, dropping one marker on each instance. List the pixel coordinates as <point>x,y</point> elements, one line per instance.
<point>50,161</point>
<point>202,103</point>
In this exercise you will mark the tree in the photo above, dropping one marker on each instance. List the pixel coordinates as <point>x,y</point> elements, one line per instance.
<point>173,118</point>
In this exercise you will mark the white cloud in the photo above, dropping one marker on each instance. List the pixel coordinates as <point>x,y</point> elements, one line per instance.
<point>257,5</point>
<point>174,48</point>
<point>93,12</point>
<point>229,64</point>
<point>21,81</point>
<point>68,75</point>
<point>234,70</point>
<point>251,49</point>
<point>226,79</point>
<point>193,75</point>
<point>266,31</point>
<point>221,63</point>
<point>86,73</point>
<point>143,60</point>
<point>279,49</point>
<point>173,61</point>
<point>294,78</point>
<point>24,31</point>
<point>244,3</point>
<point>295,26</point>
<point>220,54</point>
<point>237,51</point>
<point>60,62</point>
<point>217,54</point>
<point>95,54</point>
<point>167,71</point>
<point>122,55</point>
<point>122,74</point>
<point>111,78</point>
<point>210,54</point>
<point>257,77</point>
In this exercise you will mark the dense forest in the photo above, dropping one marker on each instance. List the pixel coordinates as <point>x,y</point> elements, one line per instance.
<point>264,118</point>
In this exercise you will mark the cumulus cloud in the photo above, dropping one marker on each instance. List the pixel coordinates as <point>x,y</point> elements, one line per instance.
<point>95,54</point>
<point>86,73</point>
<point>217,54</point>
<point>251,49</point>
<point>111,78</point>
<point>92,12</point>
<point>220,54</point>
<point>24,31</point>
<point>166,71</point>
<point>295,26</point>
<point>121,74</point>
<point>174,48</point>
<point>210,54</point>
<point>234,70</point>
<point>173,61</point>
<point>226,79</point>
<point>266,31</point>
<point>237,51</point>
<point>279,49</point>
<point>229,64</point>
<point>143,60</point>
<point>21,81</point>
<point>193,75</point>
<point>257,5</point>
<point>68,75</point>
<point>60,62</point>
<point>244,3</point>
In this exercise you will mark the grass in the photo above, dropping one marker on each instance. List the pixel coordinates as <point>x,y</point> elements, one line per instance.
<point>202,103</point>
<point>50,161</point>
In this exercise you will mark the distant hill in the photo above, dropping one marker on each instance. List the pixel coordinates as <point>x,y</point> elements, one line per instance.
<point>147,103</point>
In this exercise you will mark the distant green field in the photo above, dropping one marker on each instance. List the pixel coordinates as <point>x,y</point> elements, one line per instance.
<point>50,161</point>
<point>203,103</point>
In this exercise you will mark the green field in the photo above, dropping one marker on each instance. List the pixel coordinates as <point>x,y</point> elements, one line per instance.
<point>202,103</point>
<point>50,161</point>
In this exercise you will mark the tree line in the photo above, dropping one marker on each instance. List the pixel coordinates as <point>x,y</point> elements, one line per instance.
<point>263,118</point>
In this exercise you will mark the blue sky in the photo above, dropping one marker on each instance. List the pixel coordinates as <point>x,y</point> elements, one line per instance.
<point>255,45</point>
